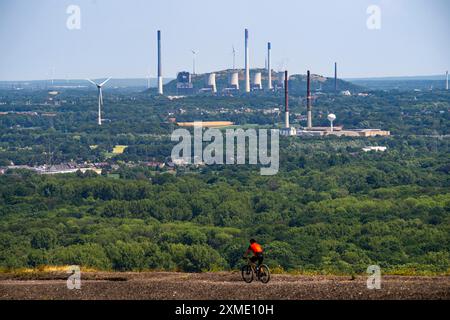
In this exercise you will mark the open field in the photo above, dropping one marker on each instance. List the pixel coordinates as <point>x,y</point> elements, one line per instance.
<point>216,286</point>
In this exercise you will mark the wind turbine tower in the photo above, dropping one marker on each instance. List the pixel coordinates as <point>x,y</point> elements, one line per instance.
<point>194,55</point>
<point>234,58</point>
<point>100,98</point>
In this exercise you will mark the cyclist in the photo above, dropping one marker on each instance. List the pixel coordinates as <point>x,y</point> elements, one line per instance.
<point>257,253</point>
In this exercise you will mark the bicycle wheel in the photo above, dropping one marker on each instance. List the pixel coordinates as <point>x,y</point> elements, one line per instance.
<point>264,273</point>
<point>247,274</point>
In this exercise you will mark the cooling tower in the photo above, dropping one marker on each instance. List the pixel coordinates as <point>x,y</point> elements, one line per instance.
<point>257,81</point>
<point>234,80</point>
<point>211,83</point>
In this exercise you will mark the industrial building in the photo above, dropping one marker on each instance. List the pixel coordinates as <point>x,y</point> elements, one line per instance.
<point>206,124</point>
<point>312,131</point>
<point>184,83</point>
<point>340,132</point>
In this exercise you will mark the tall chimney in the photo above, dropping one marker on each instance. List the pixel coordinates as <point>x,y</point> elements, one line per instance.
<point>247,64</point>
<point>286,99</point>
<point>446,81</point>
<point>269,68</point>
<point>308,99</point>
<point>160,79</point>
<point>335,77</point>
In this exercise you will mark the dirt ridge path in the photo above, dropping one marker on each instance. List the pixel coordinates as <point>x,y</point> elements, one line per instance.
<point>216,286</point>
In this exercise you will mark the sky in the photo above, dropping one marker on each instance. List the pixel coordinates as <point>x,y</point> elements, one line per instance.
<point>117,38</point>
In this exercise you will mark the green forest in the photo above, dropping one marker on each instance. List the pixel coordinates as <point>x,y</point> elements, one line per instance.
<point>329,210</point>
<point>332,208</point>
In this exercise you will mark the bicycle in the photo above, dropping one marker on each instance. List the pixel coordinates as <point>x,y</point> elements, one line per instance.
<point>249,270</point>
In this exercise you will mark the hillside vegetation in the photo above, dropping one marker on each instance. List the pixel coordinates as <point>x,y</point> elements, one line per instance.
<point>329,210</point>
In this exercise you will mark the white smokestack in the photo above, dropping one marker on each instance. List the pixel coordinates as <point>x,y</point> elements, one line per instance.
<point>269,68</point>
<point>160,79</point>
<point>286,100</point>
<point>247,64</point>
<point>308,99</point>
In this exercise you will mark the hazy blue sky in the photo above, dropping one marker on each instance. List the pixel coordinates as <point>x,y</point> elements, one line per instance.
<point>117,37</point>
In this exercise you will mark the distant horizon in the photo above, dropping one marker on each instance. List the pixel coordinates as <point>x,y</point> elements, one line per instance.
<point>436,77</point>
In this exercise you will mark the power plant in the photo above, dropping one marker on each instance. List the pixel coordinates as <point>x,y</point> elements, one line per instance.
<point>160,79</point>
<point>185,86</point>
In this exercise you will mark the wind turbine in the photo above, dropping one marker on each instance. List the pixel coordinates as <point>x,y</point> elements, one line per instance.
<point>100,98</point>
<point>194,53</point>
<point>234,58</point>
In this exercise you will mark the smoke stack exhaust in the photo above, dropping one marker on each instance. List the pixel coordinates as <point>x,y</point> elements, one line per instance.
<point>160,79</point>
<point>269,68</point>
<point>335,77</point>
<point>308,99</point>
<point>247,64</point>
<point>286,99</point>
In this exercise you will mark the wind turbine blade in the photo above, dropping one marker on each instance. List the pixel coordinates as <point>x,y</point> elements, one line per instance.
<point>91,82</point>
<point>104,82</point>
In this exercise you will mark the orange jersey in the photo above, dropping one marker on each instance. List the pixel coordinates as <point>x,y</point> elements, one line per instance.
<point>256,248</point>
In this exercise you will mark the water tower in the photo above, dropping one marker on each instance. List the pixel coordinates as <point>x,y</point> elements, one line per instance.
<point>331,118</point>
